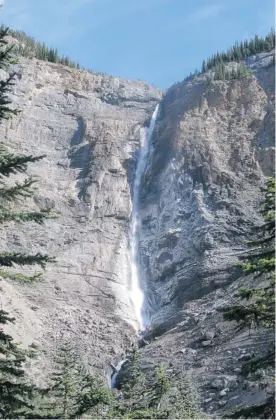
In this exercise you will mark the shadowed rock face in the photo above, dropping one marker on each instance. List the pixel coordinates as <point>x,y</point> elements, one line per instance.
<point>201,188</point>
<point>88,128</point>
<point>212,148</point>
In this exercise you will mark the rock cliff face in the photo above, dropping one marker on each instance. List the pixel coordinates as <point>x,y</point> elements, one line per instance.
<point>201,187</point>
<point>212,147</point>
<point>88,127</point>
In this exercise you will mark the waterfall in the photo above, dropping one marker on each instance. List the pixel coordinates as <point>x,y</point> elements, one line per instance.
<point>137,295</point>
<point>115,373</point>
<point>136,290</point>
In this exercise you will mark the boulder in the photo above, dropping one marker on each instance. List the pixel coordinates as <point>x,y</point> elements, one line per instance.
<point>206,343</point>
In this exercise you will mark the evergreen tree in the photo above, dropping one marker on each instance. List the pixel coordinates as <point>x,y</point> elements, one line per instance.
<point>260,262</point>
<point>53,55</point>
<point>158,393</point>
<point>152,396</point>
<point>15,391</point>
<point>66,60</point>
<point>73,391</point>
<point>259,310</point>
<point>242,50</point>
<point>243,70</point>
<point>132,387</point>
<point>184,401</point>
<point>204,66</point>
<point>238,72</point>
<point>30,48</point>
<point>233,74</point>
<point>222,73</point>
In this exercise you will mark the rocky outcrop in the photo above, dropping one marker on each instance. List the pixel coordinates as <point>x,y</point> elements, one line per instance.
<point>211,149</point>
<point>88,127</point>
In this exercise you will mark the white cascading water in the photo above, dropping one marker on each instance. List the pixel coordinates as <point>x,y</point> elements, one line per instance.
<point>115,374</point>
<point>136,292</point>
<point>137,295</point>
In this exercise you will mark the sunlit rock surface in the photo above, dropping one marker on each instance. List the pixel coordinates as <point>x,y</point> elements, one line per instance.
<point>212,147</point>
<point>88,126</point>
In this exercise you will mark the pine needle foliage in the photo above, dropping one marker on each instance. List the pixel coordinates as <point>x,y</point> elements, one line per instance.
<point>12,164</point>
<point>22,278</point>
<point>73,391</point>
<point>184,402</point>
<point>260,262</point>
<point>259,362</point>
<point>241,51</point>
<point>30,48</point>
<point>222,72</point>
<point>264,410</point>
<point>154,396</point>
<point>16,391</point>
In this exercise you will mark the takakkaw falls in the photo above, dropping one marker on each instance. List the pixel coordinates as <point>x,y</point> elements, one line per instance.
<point>137,289</point>
<point>137,292</point>
<point>156,194</point>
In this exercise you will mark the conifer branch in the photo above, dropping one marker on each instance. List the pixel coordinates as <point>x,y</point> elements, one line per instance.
<point>26,216</point>
<point>5,317</point>
<point>11,163</point>
<point>9,259</point>
<point>20,277</point>
<point>22,190</point>
<point>16,394</point>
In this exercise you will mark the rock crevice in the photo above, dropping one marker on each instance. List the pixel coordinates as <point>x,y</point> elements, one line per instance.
<point>87,143</point>
<point>200,197</point>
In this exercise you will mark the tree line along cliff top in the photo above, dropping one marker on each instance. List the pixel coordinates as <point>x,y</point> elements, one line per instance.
<point>30,48</point>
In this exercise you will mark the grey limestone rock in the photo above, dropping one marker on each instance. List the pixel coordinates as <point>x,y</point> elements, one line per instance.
<point>245,357</point>
<point>211,150</point>
<point>212,147</point>
<point>206,343</point>
<point>88,126</point>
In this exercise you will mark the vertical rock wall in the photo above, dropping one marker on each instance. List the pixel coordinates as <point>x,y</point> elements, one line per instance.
<point>212,148</point>
<point>88,127</point>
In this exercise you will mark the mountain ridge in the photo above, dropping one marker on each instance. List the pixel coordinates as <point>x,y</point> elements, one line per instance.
<point>211,150</point>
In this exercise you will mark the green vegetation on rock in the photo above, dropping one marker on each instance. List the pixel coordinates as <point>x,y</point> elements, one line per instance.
<point>241,51</point>
<point>259,311</point>
<point>260,262</point>
<point>222,72</point>
<point>16,392</point>
<point>265,410</point>
<point>155,396</point>
<point>73,391</point>
<point>30,48</point>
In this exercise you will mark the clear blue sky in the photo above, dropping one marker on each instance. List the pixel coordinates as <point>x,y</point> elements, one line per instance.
<point>159,41</point>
